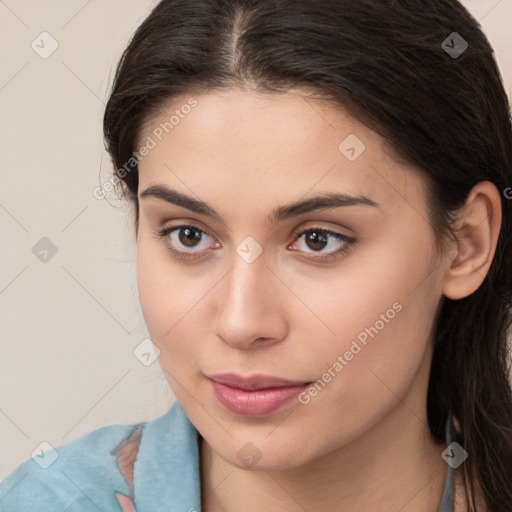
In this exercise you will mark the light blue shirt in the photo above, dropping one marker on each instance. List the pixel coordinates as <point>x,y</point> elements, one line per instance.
<point>99,472</point>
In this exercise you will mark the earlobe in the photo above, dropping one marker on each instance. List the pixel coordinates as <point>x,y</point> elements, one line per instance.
<point>477,230</point>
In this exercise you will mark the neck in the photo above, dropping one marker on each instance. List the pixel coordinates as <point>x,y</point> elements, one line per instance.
<point>396,465</point>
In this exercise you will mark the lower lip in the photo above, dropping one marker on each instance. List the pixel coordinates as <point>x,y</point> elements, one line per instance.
<point>256,403</point>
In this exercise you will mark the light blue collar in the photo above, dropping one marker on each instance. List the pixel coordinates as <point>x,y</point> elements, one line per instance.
<point>166,471</point>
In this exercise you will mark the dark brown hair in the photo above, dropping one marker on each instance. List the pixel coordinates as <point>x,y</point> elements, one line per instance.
<point>384,62</point>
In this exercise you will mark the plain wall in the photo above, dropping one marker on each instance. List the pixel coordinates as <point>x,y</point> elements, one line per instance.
<point>69,325</point>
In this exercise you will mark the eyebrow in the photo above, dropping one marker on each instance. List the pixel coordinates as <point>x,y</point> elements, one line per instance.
<point>319,202</point>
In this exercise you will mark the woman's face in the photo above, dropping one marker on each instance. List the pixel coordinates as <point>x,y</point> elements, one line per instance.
<point>348,305</point>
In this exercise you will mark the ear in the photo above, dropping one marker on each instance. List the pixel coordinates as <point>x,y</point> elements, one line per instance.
<point>477,230</point>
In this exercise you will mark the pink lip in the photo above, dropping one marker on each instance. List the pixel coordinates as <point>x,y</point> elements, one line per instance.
<point>255,396</point>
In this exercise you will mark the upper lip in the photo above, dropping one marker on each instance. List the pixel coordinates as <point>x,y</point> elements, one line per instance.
<point>254,382</point>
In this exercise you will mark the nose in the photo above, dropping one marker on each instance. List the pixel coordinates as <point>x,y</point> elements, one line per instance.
<point>251,306</point>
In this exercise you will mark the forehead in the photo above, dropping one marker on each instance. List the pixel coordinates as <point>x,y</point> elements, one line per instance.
<point>269,147</point>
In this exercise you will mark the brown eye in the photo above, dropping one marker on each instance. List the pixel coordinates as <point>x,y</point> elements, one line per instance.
<point>189,236</point>
<point>315,240</point>
<point>185,241</point>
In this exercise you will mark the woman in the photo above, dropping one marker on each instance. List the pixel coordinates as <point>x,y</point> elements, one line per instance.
<point>321,195</point>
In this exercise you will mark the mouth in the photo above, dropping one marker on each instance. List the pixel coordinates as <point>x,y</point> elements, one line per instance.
<point>254,396</point>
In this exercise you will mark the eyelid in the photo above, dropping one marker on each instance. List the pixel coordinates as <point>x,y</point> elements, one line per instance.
<point>319,226</point>
<point>184,223</point>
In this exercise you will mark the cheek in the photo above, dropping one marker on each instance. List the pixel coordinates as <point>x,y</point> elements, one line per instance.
<point>161,291</point>
<point>376,313</point>
<point>375,279</point>
<point>165,309</point>
<point>171,297</point>
<point>151,287</point>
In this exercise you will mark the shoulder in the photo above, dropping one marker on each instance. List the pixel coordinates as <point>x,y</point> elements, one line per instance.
<point>85,474</point>
<point>113,468</point>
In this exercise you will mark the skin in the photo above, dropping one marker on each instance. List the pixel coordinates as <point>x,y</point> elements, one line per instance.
<point>363,442</point>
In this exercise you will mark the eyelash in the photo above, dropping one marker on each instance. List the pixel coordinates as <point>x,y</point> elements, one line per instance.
<point>349,241</point>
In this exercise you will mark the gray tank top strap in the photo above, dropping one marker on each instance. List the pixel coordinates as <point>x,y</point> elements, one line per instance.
<point>447,498</point>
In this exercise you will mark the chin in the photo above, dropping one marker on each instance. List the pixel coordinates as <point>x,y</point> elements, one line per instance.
<point>260,453</point>
<point>273,462</point>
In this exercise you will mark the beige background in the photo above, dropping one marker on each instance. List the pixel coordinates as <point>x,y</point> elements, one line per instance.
<point>69,326</point>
